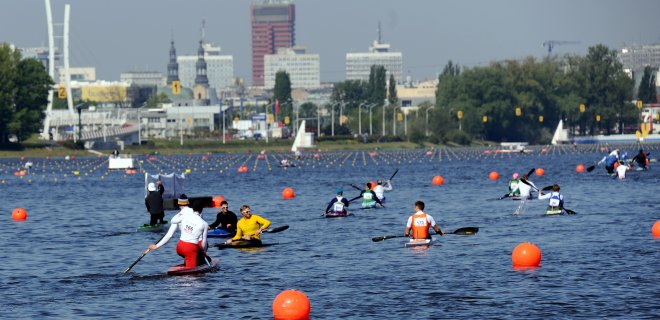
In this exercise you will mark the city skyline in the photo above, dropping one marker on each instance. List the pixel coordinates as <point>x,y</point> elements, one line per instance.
<point>108,36</point>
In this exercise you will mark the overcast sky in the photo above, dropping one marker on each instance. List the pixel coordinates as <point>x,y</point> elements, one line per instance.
<point>125,35</point>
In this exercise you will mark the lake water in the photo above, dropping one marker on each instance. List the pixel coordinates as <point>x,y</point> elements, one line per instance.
<point>66,260</point>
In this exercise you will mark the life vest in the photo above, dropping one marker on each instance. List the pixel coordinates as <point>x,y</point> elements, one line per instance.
<point>368,198</point>
<point>338,206</point>
<point>420,226</point>
<point>513,186</point>
<point>555,200</point>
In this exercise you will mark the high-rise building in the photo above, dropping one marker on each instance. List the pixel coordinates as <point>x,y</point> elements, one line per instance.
<point>358,65</point>
<point>219,68</point>
<point>273,26</point>
<point>304,69</point>
<point>635,58</point>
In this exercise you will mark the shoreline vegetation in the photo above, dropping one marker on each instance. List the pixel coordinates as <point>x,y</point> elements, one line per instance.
<point>36,149</point>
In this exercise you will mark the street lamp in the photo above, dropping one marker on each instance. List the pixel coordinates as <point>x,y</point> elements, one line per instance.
<point>360,118</point>
<point>371,129</point>
<point>384,104</point>
<point>394,119</point>
<point>79,107</point>
<point>318,119</point>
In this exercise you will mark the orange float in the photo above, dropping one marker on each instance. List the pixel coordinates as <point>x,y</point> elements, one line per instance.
<point>539,172</point>
<point>656,229</point>
<point>526,255</point>
<point>438,180</point>
<point>217,200</point>
<point>493,175</point>
<point>288,193</point>
<point>579,168</point>
<point>291,305</point>
<point>19,214</point>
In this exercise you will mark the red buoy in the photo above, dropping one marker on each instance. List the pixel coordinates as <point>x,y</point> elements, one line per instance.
<point>217,200</point>
<point>579,168</point>
<point>438,180</point>
<point>291,305</point>
<point>493,175</point>
<point>539,172</point>
<point>656,229</point>
<point>526,255</point>
<point>288,193</point>
<point>19,214</point>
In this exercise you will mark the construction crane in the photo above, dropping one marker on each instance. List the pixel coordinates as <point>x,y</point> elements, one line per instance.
<point>552,43</point>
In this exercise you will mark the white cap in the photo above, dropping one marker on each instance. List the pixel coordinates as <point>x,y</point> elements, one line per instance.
<point>151,186</point>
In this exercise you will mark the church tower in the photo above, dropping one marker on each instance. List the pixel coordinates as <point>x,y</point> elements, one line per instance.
<point>201,86</point>
<point>172,66</point>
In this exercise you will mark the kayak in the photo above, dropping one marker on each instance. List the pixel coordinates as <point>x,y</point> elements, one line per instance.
<point>553,211</point>
<point>240,244</point>
<point>181,270</point>
<point>220,233</point>
<point>337,214</point>
<point>418,243</point>
<point>154,228</point>
<point>370,206</point>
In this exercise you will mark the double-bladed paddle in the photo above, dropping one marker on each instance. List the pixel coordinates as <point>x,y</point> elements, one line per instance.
<point>276,229</point>
<point>391,177</point>
<point>142,256</point>
<point>466,231</point>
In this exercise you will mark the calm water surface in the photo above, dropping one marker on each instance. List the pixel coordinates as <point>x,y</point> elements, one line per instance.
<point>67,259</point>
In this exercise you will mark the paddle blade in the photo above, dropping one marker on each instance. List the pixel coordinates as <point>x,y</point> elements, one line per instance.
<point>590,168</point>
<point>356,187</point>
<point>358,197</point>
<point>531,172</point>
<point>547,188</point>
<point>394,174</point>
<point>504,196</point>
<point>381,238</point>
<point>278,229</point>
<point>569,211</point>
<point>466,231</point>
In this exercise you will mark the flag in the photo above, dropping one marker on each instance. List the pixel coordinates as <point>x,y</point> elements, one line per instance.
<point>277,106</point>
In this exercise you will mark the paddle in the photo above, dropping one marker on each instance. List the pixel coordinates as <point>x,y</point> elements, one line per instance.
<point>394,174</point>
<point>142,256</point>
<point>356,187</point>
<point>569,211</point>
<point>276,229</point>
<point>466,231</point>
<point>546,188</point>
<point>591,168</point>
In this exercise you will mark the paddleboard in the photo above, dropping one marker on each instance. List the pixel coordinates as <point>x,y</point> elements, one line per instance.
<point>154,228</point>
<point>336,214</point>
<point>181,270</point>
<point>418,243</point>
<point>219,233</point>
<point>240,244</point>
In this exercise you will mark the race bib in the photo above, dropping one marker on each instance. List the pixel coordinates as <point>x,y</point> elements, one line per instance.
<point>368,195</point>
<point>420,222</point>
<point>338,207</point>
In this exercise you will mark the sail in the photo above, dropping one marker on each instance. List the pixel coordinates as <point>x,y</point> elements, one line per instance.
<point>561,134</point>
<point>297,143</point>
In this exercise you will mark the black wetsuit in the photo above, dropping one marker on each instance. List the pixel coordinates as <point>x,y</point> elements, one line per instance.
<point>641,159</point>
<point>224,219</point>
<point>154,203</point>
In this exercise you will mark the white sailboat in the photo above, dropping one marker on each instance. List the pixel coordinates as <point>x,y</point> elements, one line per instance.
<point>303,139</point>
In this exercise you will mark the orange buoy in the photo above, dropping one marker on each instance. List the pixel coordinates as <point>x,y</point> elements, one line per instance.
<point>288,193</point>
<point>217,200</point>
<point>493,175</point>
<point>19,214</point>
<point>526,255</point>
<point>656,229</point>
<point>539,172</point>
<point>579,168</point>
<point>486,151</point>
<point>317,155</point>
<point>291,305</point>
<point>438,180</point>
<point>243,169</point>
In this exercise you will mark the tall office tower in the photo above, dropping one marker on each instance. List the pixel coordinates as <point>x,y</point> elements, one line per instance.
<point>273,26</point>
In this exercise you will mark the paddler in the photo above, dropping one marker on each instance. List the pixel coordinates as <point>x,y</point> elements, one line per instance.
<point>526,188</point>
<point>641,159</point>
<point>610,160</point>
<point>338,204</point>
<point>379,189</point>
<point>621,170</point>
<point>154,203</point>
<point>369,198</point>
<point>193,244</point>
<point>556,201</point>
<point>249,227</point>
<point>420,222</point>
<point>225,219</point>
<point>514,186</point>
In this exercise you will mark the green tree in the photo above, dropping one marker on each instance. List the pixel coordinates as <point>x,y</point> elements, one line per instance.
<point>282,93</point>
<point>377,84</point>
<point>24,88</point>
<point>647,91</point>
<point>392,97</point>
<point>157,99</point>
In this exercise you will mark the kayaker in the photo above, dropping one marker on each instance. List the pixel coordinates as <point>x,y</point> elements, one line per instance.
<point>225,220</point>
<point>154,203</point>
<point>526,188</point>
<point>622,169</point>
<point>369,198</point>
<point>610,160</point>
<point>556,201</point>
<point>420,222</point>
<point>250,226</point>
<point>193,244</point>
<point>338,204</point>
<point>514,186</point>
<point>379,189</point>
<point>641,159</point>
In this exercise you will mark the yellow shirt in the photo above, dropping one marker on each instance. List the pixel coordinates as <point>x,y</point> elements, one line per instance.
<point>250,226</point>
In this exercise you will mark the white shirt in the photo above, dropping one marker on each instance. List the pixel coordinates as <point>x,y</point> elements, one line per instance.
<point>621,171</point>
<point>380,189</point>
<point>525,189</point>
<point>193,228</point>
